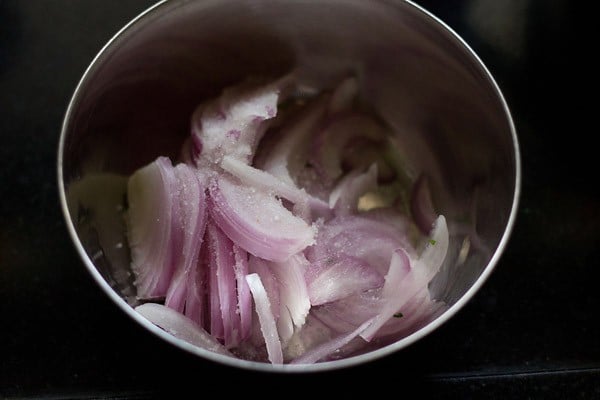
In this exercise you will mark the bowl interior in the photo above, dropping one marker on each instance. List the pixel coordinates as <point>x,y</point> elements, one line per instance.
<point>449,118</point>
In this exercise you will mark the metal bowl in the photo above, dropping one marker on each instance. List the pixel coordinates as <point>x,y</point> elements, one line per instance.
<point>449,116</point>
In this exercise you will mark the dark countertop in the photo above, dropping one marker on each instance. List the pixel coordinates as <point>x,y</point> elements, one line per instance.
<point>531,332</point>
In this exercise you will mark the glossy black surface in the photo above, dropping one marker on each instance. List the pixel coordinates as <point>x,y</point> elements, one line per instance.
<point>531,332</point>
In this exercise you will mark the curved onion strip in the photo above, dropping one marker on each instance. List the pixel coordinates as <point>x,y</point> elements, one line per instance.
<point>244,298</point>
<point>195,302</point>
<point>222,263</point>
<point>261,267</point>
<point>192,204</point>
<point>312,334</point>
<point>344,277</point>
<point>417,312</point>
<point>233,124</point>
<point>347,314</point>
<point>152,195</point>
<point>265,181</point>
<point>362,237</point>
<point>344,197</point>
<point>293,294</point>
<point>266,319</point>
<point>216,319</point>
<point>257,221</point>
<point>181,327</point>
<point>319,352</point>
<point>330,142</point>
<point>398,288</point>
<point>288,156</point>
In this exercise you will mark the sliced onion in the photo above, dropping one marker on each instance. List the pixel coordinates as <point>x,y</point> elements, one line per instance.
<point>346,314</point>
<point>268,183</point>
<point>312,334</point>
<point>399,288</point>
<point>363,237</point>
<point>288,156</point>
<point>257,221</point>
<point>181,327</point>
<point>154,227</point>
<point>293,294</point>
<point>222,263</point>
<point>244,297</point>
<point>261,267</point>
<point>265,316</point>
<point>192,204</point>
<point>319,352</point>
<point>197,291</point>
<point>344,197</point>
<point>417,312</point>
<point>341,278</point>
<point>234,123</point>
<point>330,142</point>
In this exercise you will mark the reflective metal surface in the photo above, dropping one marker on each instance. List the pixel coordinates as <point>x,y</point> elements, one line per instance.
<point>449,116</point>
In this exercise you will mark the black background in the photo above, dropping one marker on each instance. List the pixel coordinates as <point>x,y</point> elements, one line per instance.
<point>531,332</point>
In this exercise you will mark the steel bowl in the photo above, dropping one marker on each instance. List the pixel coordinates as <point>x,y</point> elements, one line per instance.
<point>448,114</point>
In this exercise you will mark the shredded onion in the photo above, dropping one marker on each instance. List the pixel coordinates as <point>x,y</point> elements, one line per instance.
<point>277,238</point>
<point>180,326</point>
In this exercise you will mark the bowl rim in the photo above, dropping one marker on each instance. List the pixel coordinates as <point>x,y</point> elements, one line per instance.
<point>161,6</point>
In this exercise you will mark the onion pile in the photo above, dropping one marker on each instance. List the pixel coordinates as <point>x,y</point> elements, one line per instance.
<point>281,233</point>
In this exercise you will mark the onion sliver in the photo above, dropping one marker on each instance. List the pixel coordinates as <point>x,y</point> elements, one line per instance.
<point>192,204</point>
<point>268,183</point>
<point>399,288</point>
<point>234,123</point>
<point>330,142</point>
<point>344,197</point>
<point>257,221</point>
<point>293,293</point>
<point>266,319</point>
<point>244,297</point>
<point>288,156</point>
<point>181,327</point>
<point>222,263</point>
<point>319,352</point>
<point>344,277</point>
<point>153,227</point>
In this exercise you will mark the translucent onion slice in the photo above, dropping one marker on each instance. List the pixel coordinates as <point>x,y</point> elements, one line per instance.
<point>222,262</point>
<point>266,319</point>
<point>181,327</point>
<point>191,195</point>
<point>417,312</point>
<point>197,291</point>
<point>234,123</point>
<point>365,237</point>
<point>344,197</point>
<point>343,277</point>
<point>288,156</point>
<point>261,267</point>
<point>400,287</point>
<point>346,314</point>
<point>257,221</point>
<point>268,183</point>
<point>330,142</point>
<point>320,352</point>
<point>293,294</point>
<point>154,227</point>
<point>244,297</point>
